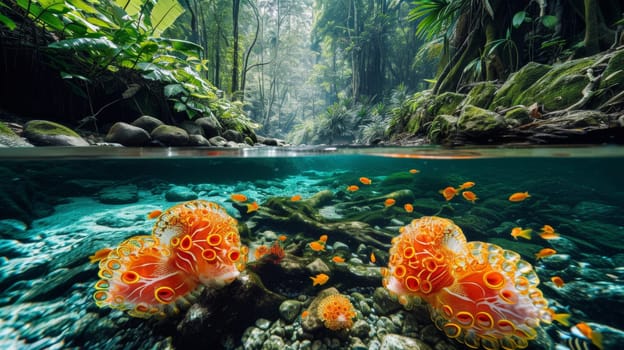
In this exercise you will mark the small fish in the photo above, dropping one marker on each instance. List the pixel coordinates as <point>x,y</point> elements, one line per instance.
<point>549,235</point>
<point>319,279</point>
<point>323,238</point>
<point>252,207</point>
<point>558,281</point>
<point>414,171</point>
<point>316,246</point>
<point>353,188</point>
<point>282,237</point>
<point>305,313</point>
<point>466,185</point>
<point>544,253</point>
<point>366,181</point>
<point>519,196</point>
<point>564,319</point>
<point>389,202</point>
<point>99,255</point>
<point>469,196</point>
<point>154,214</point>
<point>338,259</point>
<point>448,193</point>
<point>519,232</point>
<point>582,329</point>
<point>295,198</point>
<point>238,197</point>
<point>548,228</point>
<point>408,207</point>
<point>373,259</point>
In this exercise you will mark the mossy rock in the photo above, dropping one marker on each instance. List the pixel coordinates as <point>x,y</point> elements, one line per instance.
<point>47,133</point>
<point>445,103</point>
<point>416,120</point>
<point>442,127</point>
<point>560,88</point>
<point>517,83</point>
<point>9,138</point>
<point>613,75</point>
<point>518,115</point>
<point>481,94</point>
<point>475,121</point>
<point>400,120</point>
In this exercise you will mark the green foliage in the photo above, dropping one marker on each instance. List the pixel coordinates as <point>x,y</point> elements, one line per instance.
<point>100,36</point>
<point>434,16</point>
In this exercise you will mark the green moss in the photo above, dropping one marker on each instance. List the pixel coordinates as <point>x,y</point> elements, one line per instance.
<point>442,127</point>
<point>481,94</point>
<point>518,82</point>
<point>5,130</point>
<point>613,76</point>
<point>408,117</point>
<point>479,121</point>
<point>445,103</point>
<point>44,127</point>
<point>517,116</point>
<point>560,87</point>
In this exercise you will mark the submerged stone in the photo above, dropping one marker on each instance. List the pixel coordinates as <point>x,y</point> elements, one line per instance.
<point>119,194</point>
<point>180,194</point>
<point>399,342</point>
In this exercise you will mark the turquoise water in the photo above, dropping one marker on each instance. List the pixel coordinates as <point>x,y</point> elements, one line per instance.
<point>60,206</point>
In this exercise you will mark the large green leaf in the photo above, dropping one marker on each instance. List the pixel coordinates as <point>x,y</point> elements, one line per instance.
<point>164,13</point>
<point>7,21</point>
<point>132,7</point>
<point>85,44</point>
<point>187,47</point>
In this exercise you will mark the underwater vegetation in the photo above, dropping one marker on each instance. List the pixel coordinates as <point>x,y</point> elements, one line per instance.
<point>146,263</point>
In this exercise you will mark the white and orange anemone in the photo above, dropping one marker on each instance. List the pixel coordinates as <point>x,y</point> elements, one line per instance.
<point>478,293</point>
<point>193,245</point>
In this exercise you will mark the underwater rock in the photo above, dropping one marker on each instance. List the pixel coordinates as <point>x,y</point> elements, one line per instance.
<point>120,219</point>
<point>127,135</point>
<point>170,135</point>
<point>210,125</point>
<point>360,329</point>
<point>588,210</point>
<point>20,199</point>
<point>289,310</point>
<point>147,123</point>
<point>123,194</point>
<point>180,194</point>
<point>56,283</point>
<point>384,303</point>
<point>47,133</point>
<point>602,301</point>
<point>15,229</point>
<point>399,342</point>
<point>229,310</point>
<point>9,138</point>
<point>313,322</point>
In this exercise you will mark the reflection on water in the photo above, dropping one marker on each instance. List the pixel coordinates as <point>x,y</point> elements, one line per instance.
<point>61,205</point>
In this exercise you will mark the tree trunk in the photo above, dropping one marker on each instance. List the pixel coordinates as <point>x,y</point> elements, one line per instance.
<point>592,35</point>
<point>235,12</point>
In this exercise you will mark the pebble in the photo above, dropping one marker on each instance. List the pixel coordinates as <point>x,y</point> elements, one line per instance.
<point>180,194</point>
<point>289,310</point>
<point>263,323</point>
<point>398,342</point>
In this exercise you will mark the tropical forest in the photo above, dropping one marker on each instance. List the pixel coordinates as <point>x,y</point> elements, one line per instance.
<point>308,72</point>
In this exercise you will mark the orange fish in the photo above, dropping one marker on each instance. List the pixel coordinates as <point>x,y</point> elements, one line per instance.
<point>549,235</point>
<point>466,185</point>
<point>238,197</point>
<point>408,207</point>
<point>558,281</point>
<point>352,188</point>
<point>366,181</point>
<point>519,196</point>
<point>519,232</point>
<point>548,228</point>
<point>252,207</point>
<point>414,171</point>
<point>305,314</point>
<point>319,279</point>
<point>469,196</point>
<point>373,259</point>
<point>389,202</point>
<point>295,198</point>
<point>585,330</point>
<point>544,253</point>
<point>448,193</point>
<point>564,319</point>
<point>338,259</point>
<point>316,246</point>
<point>282,238</point>
<point>323,238</point>
<point>99,255</point>
<point>154,214</point>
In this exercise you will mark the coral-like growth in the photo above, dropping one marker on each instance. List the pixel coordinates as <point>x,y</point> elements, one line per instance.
<point>193,245</point>
<point>478,293</point>
<point>336,312</point>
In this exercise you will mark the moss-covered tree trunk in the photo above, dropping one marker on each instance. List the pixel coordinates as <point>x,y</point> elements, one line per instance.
<point>592,35</point>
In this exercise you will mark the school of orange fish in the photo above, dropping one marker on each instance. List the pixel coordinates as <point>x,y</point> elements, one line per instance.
<point>196,244</point>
